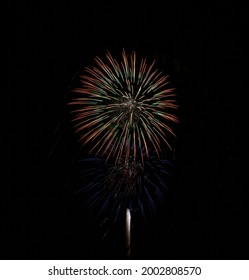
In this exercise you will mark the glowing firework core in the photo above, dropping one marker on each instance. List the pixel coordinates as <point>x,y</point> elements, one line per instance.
<point>130,103</point>
<point>129,110</point>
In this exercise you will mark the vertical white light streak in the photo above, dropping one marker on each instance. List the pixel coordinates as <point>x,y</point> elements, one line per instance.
<point>128,232</point>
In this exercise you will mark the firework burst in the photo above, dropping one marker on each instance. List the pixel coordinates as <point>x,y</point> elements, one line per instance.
<point>112,188</point>
<point>122,106</point>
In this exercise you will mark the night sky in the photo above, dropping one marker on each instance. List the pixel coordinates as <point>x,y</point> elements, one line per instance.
<point>205,214</point>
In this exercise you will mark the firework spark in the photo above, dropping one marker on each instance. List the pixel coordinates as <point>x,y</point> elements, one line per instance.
<point>122,106</point>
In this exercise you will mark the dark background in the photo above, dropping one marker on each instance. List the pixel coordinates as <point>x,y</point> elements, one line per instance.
<point>205,215</point>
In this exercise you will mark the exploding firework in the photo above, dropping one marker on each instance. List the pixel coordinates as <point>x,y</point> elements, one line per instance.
<point>122,106</point>
<point>110,189</point>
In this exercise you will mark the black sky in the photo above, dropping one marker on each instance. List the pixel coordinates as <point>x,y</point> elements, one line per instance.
<point>203,47</point>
